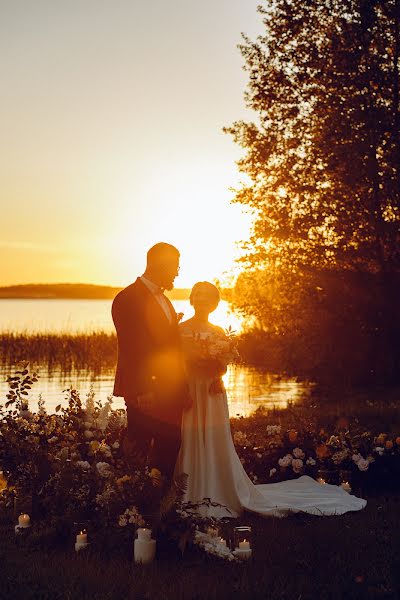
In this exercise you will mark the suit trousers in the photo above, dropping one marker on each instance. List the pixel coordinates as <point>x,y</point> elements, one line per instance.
<point>155,438</point>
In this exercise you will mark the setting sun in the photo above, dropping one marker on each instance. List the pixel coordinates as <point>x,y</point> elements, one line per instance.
<point>100,160</point>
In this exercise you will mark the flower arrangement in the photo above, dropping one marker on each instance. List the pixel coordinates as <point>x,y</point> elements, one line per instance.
<point>209,353</point>
<point>73,467</point>
<point>273,452</point>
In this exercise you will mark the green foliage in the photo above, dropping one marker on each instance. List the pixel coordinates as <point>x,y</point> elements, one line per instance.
<point>322,160</point>
<point>18,386</point>
<point>324,157</point>
<point>73,466</point>
<point>331,326</point>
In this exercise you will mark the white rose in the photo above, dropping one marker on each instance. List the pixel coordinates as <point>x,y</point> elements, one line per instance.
<point>87,434</point>
<point>363,464</point>
<point>83,464</point>
<point>285,461</point>
<point>104,469</point>
<point>311,461</point>
<point>298,453</point>
<point>122,522</point>
<point>273,429</point>
<point>105,449</point>
<point>379,450</point>
<point>356,457</point>
<point>297,465</point>
<point>272,472</point>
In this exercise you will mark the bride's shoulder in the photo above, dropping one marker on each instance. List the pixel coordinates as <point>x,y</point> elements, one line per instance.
<point>217,329</point>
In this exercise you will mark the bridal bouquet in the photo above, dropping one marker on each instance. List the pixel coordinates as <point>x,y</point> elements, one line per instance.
<point>209,353</point>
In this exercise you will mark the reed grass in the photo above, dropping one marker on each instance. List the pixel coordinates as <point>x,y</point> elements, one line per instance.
<point>93,351</point>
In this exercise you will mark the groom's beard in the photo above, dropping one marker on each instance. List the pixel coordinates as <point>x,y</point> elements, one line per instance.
<point>168,284</point>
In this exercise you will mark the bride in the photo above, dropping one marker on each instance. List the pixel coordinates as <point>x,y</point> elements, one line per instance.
<point>207,452</point>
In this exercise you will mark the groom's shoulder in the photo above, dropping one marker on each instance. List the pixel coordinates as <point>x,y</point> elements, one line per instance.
<point>129,292</point>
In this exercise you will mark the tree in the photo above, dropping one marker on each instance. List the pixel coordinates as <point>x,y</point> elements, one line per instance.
<point>323,165</point>
<point>324,157</point>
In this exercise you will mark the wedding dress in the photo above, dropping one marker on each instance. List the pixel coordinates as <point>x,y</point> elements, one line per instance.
<point>214,469</point>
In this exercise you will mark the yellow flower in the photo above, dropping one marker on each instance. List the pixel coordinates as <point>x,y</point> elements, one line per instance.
<point>124,479</point>
<point>381,438</point>
<point>3,482</point>
<point>155,475</point>
<point>94,446</point>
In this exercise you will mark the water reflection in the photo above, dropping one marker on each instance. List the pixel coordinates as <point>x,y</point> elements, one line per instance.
<point>247,388</point>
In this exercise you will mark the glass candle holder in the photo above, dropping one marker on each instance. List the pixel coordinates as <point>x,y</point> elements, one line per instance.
<point>242,537</point>
<point>144,547</point>
<point>242,541</point>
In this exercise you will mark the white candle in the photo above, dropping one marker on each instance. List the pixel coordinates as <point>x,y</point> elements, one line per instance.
<point>321,480</point>
<point>243,553</point>
<point>24,520</point>
<point>245,545</point>
<point>81,538</point>
<point>144,551</point>
<point>346,486</point>
<point>144,533</point>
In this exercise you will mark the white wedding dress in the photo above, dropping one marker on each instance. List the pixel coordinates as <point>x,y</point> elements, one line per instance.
<point>209,458</point>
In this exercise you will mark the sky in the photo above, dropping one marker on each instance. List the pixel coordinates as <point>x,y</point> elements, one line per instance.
<point>111,140</point>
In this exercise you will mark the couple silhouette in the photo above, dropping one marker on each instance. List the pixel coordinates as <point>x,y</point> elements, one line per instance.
<point>178,420</point>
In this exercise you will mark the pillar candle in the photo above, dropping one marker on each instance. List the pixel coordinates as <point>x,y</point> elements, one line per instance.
<point>24,520</point>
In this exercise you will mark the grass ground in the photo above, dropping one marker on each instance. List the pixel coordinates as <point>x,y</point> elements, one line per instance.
<point>354,556</point>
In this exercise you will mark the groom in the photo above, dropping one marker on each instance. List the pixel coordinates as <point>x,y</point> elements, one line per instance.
<point>150,374</point>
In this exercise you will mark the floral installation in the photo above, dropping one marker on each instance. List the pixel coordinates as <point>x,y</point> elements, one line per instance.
<point>73,466</point>
<point>278,451</point>
<point>213,545</point>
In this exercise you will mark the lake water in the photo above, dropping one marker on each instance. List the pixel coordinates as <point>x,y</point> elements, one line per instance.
<point>247,388</point>
<point>72,316</point>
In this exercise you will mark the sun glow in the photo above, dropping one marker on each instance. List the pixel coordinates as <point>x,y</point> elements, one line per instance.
<point>187,206</point>
<point>116,143</point>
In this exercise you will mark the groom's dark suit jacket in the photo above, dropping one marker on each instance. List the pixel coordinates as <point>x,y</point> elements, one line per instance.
<point>149,353</point>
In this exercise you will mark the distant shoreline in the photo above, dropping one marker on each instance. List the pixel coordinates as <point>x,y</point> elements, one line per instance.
<point>72,291</point>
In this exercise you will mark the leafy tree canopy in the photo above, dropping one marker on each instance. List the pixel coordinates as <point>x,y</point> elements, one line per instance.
<point>323,158</point>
